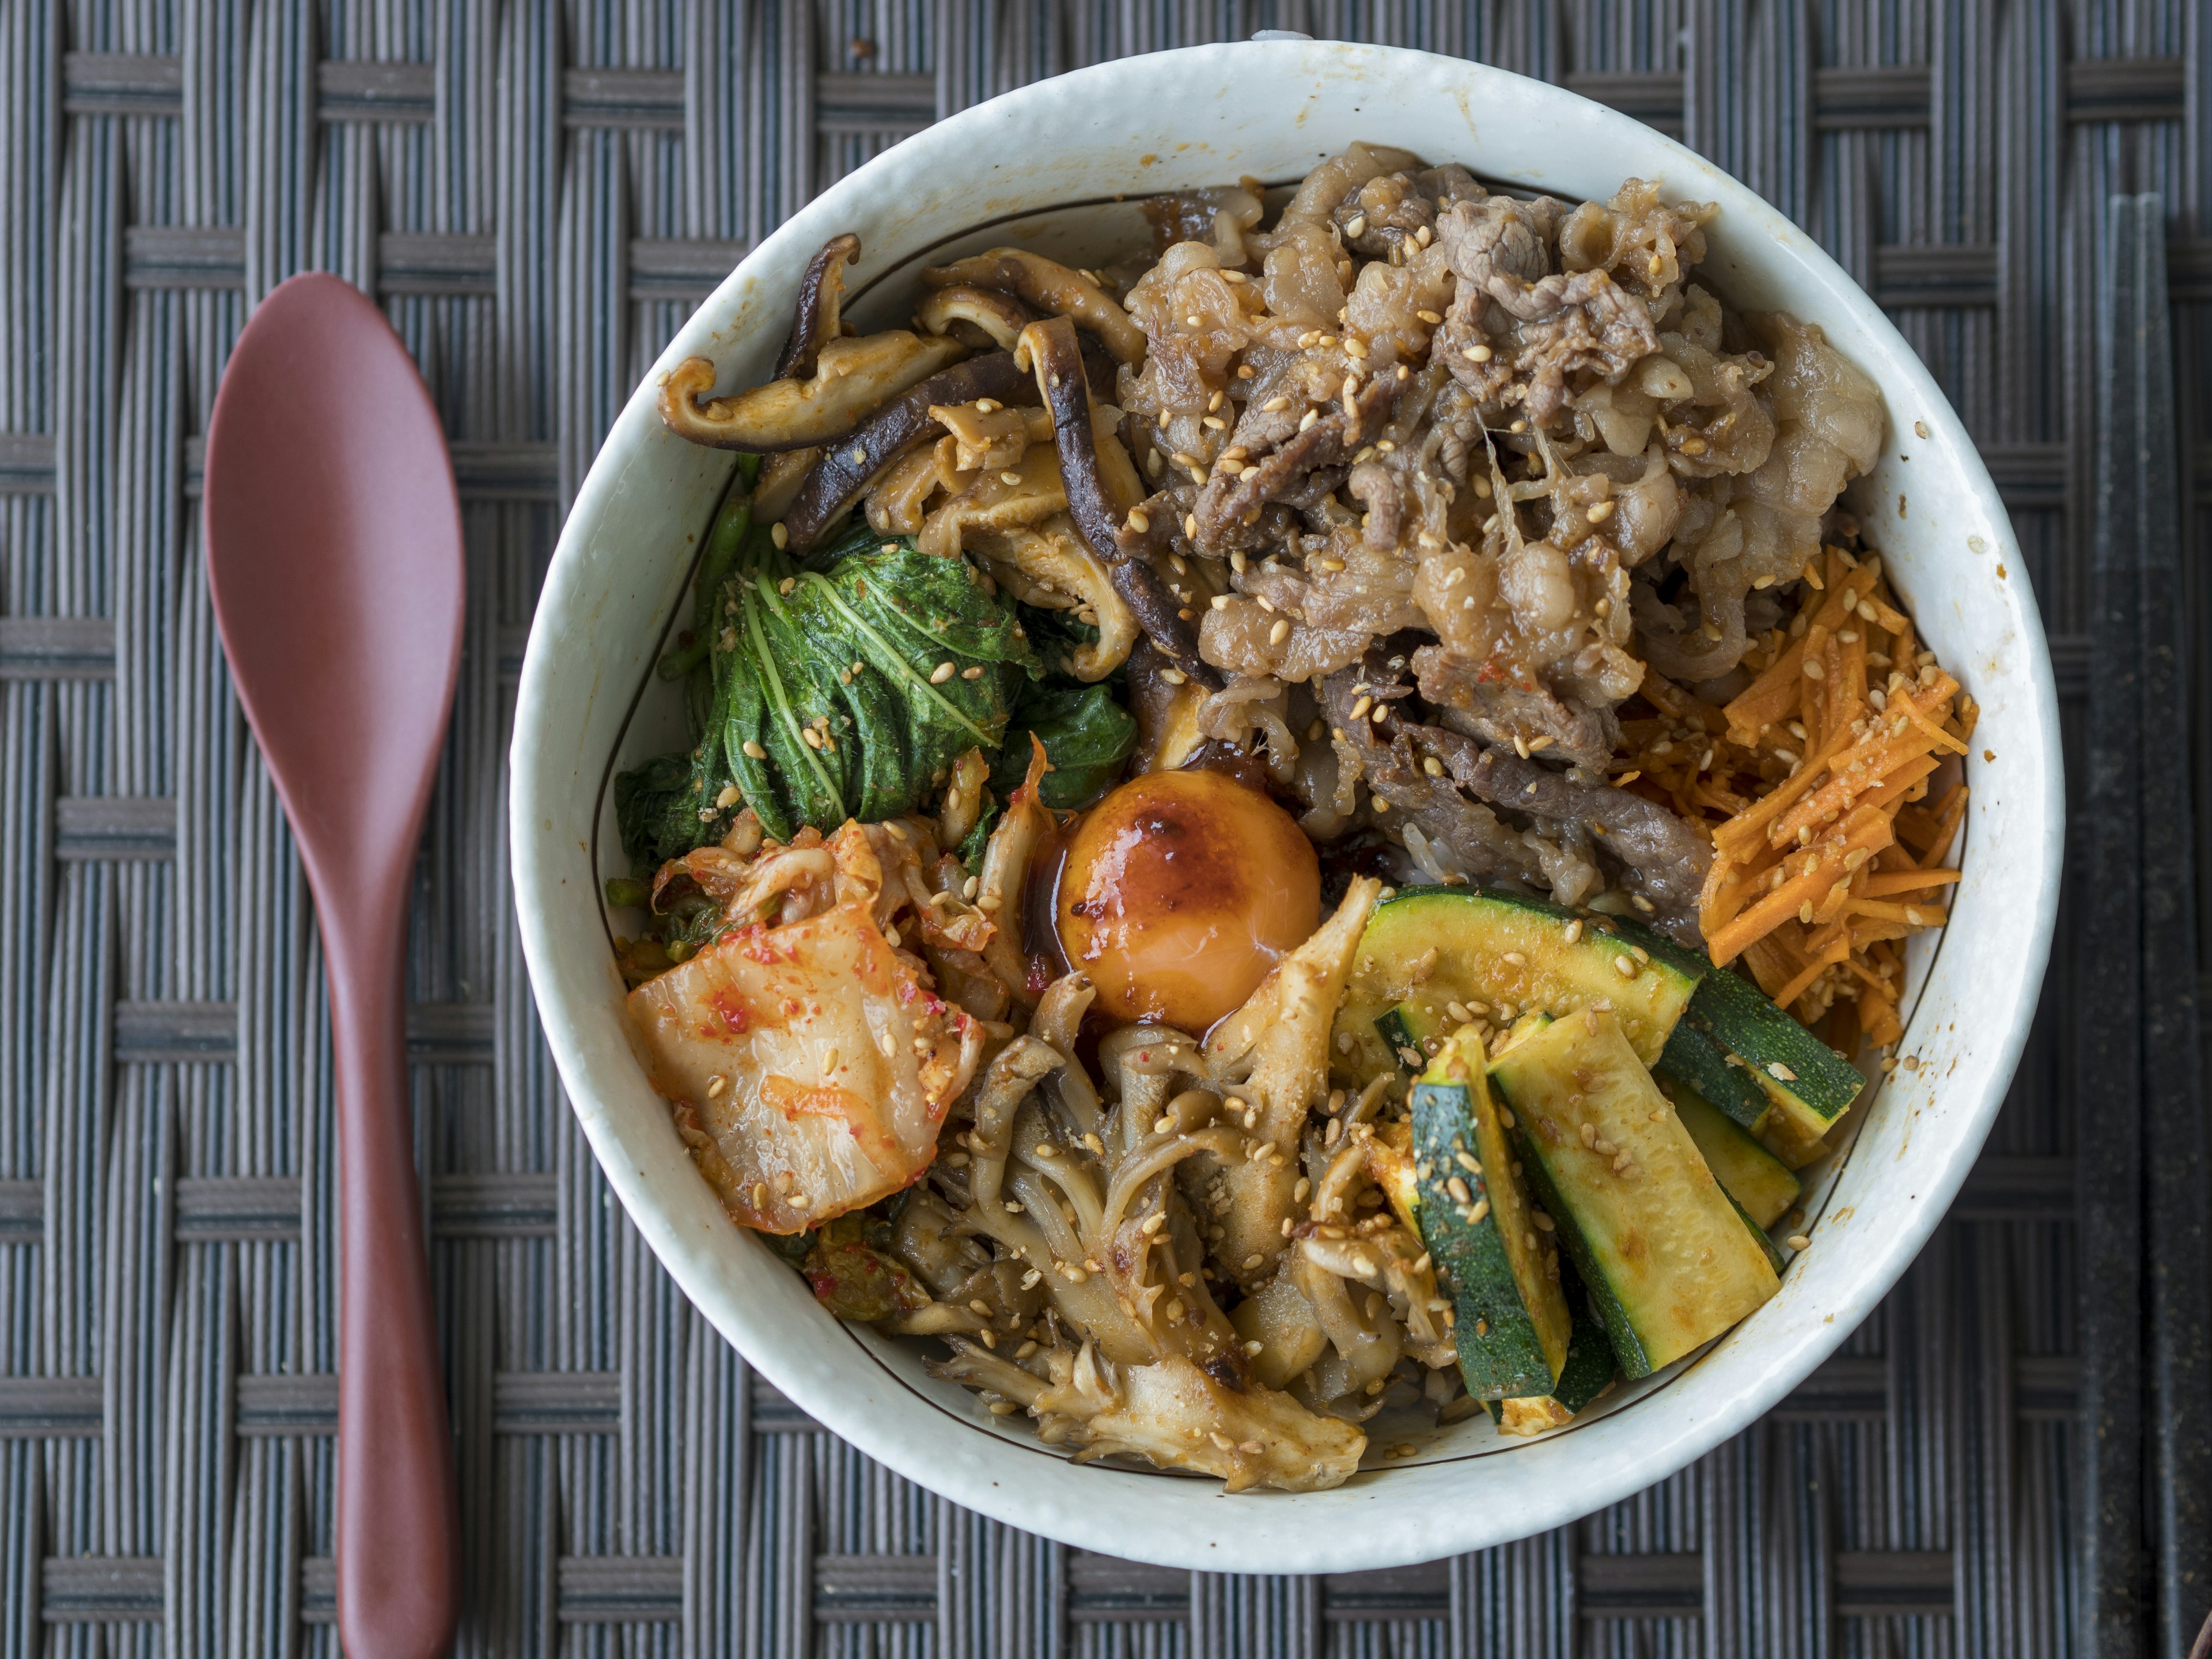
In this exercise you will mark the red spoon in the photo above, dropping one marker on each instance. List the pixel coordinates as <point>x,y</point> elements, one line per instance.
<point>335,563</point>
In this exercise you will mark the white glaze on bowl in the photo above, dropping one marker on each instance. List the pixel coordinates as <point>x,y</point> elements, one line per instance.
<point>1187,119</point>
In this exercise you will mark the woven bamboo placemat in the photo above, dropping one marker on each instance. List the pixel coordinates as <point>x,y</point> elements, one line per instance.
<point>538,194</point>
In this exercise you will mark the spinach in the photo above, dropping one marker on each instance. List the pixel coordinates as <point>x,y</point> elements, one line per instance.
<point>657,807</point>
<point>895,662</point>
<point>1087,737</point>
<point>825,694</point>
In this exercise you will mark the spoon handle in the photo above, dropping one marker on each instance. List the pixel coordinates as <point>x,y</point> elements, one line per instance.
<point>397,1597</point>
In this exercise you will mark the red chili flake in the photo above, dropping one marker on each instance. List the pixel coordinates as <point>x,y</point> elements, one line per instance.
<point>1040,975</point>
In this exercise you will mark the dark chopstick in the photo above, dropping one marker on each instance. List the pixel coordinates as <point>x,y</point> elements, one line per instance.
<point>2180,1303</point>
<point>2146,1306</point>
<point>2108,1005</point>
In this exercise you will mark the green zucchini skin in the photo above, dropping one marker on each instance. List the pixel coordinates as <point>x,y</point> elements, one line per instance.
<point>1807,1080</point>
<point>1761,1183</point>
<point>1432,946</point>
<point>1402,1040</point>
<point>1510,1326</point>
<point>1767,1247</point>
<point>1669,1261</point>
<point>1693,1060</point>
<point>1587,1376</point>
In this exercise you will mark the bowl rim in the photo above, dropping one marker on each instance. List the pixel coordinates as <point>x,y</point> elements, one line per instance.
<point>970,1474</point>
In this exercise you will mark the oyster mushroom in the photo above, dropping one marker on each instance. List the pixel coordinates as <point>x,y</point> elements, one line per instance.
<point>1050,286</point>
<point>1097,502</point>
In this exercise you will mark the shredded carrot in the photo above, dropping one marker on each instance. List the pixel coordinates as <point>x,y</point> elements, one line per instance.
<point>1829,789</point>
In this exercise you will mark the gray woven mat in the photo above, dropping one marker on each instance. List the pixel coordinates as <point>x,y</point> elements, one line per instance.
<point>538,194</point>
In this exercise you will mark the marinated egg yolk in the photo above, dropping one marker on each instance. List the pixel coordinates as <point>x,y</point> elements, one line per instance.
<point>1181,890</point>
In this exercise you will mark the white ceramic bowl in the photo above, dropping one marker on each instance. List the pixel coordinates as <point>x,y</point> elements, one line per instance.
<point>1022,167</point>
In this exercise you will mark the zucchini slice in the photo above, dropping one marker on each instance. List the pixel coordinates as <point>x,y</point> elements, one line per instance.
<point>1586,1376</point>
<point>1510,1322</point>
<point>1790,1141</point>
<point>1669,1261</point>
<point>1404,1030</point>
<point>1767,1247</point>
<point>1416,1033</point>
<point>1433,947</point>
<point>1693,1059</point>
<point>1808,1081</point>
<point>1758,1182</point>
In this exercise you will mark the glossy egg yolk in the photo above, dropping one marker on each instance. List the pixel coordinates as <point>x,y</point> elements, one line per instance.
<point>1181,890</point>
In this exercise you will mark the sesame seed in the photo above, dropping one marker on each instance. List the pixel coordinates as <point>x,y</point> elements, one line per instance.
<point>972,671</point>
<point>1356,226</point>
<point>786,584</point>
<point>1625,966</point>
<point>1477,354</point>
<point>1174,675</point>
<point>1776,1070</point>
<point>1279,632</point>
<point>942,673</point>
<point>780,536</point>
<point>1799,1241</point>
<point>1139,520</point>
<point>1481,1209</point>
<point>1814,670</point>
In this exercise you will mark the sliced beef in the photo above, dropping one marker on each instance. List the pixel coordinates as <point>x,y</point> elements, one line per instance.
<point>1281,474</point>
<point>1658,855</point>
<point>1515,716</point>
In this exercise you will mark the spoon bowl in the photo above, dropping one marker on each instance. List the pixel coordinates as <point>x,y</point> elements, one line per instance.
<point>335,564</point>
